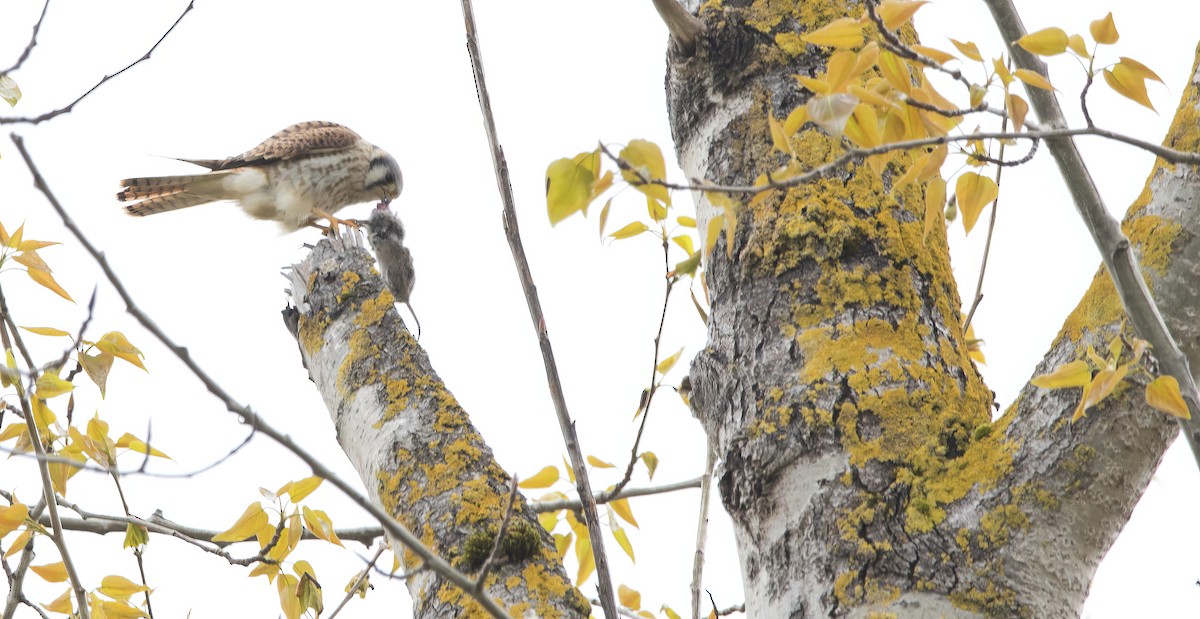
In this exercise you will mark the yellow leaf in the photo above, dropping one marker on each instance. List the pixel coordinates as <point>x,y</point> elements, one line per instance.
<point>623,542</point>
<point>1033,79</point>
<point>935,202</point>
<point>13,430</point>
<point>568,189</point>
<point>47,280</point>
<point>270,570</point>
<point>629,598</point>
<point>120,588</point>
<point>1104,30</point>
<point>51,572</point>
<point>62,604</point>
<point>11,363</point>
<point>646,158</point>
<point>14,241</point>
<point>1002,71</point>
<point>19,544</point>
<point>864,60</point>
<point>817,86</point>
<point>129,441</point>
<point>600,464</point>
<point>974,192</point>
<point>840,69</point>
<point>562,543</point>
<point>248,524</point>
<point>50,385</point>
<point>686,222</point>
<point>651,462</point>
<point>968,49</point>
<point>309,593</point>
<point>96,367</point>
<point>714,230</point>
<point>115,344</point>
<point>121,610</point>
<point>863,127</point>
<point>543,479</point>
<point>31,245</point>
<point>621,507</point>
<point>1128,85</point>
<point>289,601</point>
<point>12,517</point>
<point>779,139</point>
<point>895,71</point>
<point>1074,374</point>
<point>841,33</point>
<point>665,365</point>
<point>48,331</point>
<point>684,241</point>
<point>658,212</point>
<point>895,12</point>
<point>299,490</point>
<point>1102,385</point>
<point>1163,394</point>
<point>630,230</point>
<point>730,217</point>
<point>548,520</point>
<point>604,216</point>
<point>671,614</point>
<point>587,562</point>
<point>319,524</point>
<point>1139,69</point>
<point>936,54</point>
<point>1045,42</point>
<point>1017,110</point>
<point>136,536</point>
<point>62,470</point>
<point>1076,44</point>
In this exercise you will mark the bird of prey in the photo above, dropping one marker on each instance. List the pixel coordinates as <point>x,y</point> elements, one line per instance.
<point>307,171</point>
<point>395,261</point>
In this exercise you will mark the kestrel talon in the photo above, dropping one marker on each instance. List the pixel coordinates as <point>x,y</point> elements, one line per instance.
<point>305,172</point>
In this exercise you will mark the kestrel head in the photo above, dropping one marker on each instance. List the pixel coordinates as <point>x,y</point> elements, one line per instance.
<point>384,181</point>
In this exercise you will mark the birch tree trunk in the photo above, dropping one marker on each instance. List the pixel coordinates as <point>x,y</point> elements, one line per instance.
<point>859,459</point>
<point>414,447</point>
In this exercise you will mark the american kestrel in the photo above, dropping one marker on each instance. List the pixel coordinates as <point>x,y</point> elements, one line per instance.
<point>307,171</point>
<point>395,261</point>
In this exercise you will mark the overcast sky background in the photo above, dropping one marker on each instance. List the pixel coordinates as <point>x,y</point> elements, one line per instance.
<point>563,74</point>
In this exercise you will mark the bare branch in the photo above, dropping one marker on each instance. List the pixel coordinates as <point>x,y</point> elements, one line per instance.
<point>684,27</point>
<point>513,234</point>
<point>248,416</point>
<point>33,120</point>
<point>552,506</point>
<point>702,530</point>
<point>32,42</point>
<point>358,582</point>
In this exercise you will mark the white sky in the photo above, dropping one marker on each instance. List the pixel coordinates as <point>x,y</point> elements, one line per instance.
<point>563,74</point>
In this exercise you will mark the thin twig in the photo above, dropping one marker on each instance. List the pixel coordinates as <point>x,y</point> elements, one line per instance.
<point>248,416</point>
<point>491,558</point>
<point>358,582</point>
<point>644,406</point>
<point>987,244</point>
<point>893,44</point>
<point>33,120</point>
<point>710,461</point>
<point>32,42</point>
<point>574,504</point>
<point>512,232</point>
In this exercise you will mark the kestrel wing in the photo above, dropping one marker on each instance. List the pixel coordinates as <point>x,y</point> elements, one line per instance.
<point>299,140</point>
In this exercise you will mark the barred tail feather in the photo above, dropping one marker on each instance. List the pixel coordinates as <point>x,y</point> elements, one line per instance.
<point>169,193</point>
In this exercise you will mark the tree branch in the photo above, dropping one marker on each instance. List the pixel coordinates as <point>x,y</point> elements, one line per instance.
<point>33,120</point>
<point>513,233</point>
<point>32,42</point>
<point>684,27</point>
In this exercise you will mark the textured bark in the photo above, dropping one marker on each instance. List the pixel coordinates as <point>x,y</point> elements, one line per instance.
<point>859,460</point>
<point>412,444</point>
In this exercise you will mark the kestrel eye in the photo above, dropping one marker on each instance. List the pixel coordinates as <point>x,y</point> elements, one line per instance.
<point>390,178</point>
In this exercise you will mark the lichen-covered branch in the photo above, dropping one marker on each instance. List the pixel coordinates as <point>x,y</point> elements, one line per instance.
<point>414,447</point>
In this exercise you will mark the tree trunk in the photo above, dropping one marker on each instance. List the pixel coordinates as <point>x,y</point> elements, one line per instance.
<point>859,459</point>
<point>414,447</point>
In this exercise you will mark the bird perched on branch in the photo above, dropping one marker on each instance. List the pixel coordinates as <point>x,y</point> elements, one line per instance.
<point>386,234</point>
<point>305,172</point>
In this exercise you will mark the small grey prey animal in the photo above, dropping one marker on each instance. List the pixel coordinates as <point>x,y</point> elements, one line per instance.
<point>386,234</point>
<point>306,172</point>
